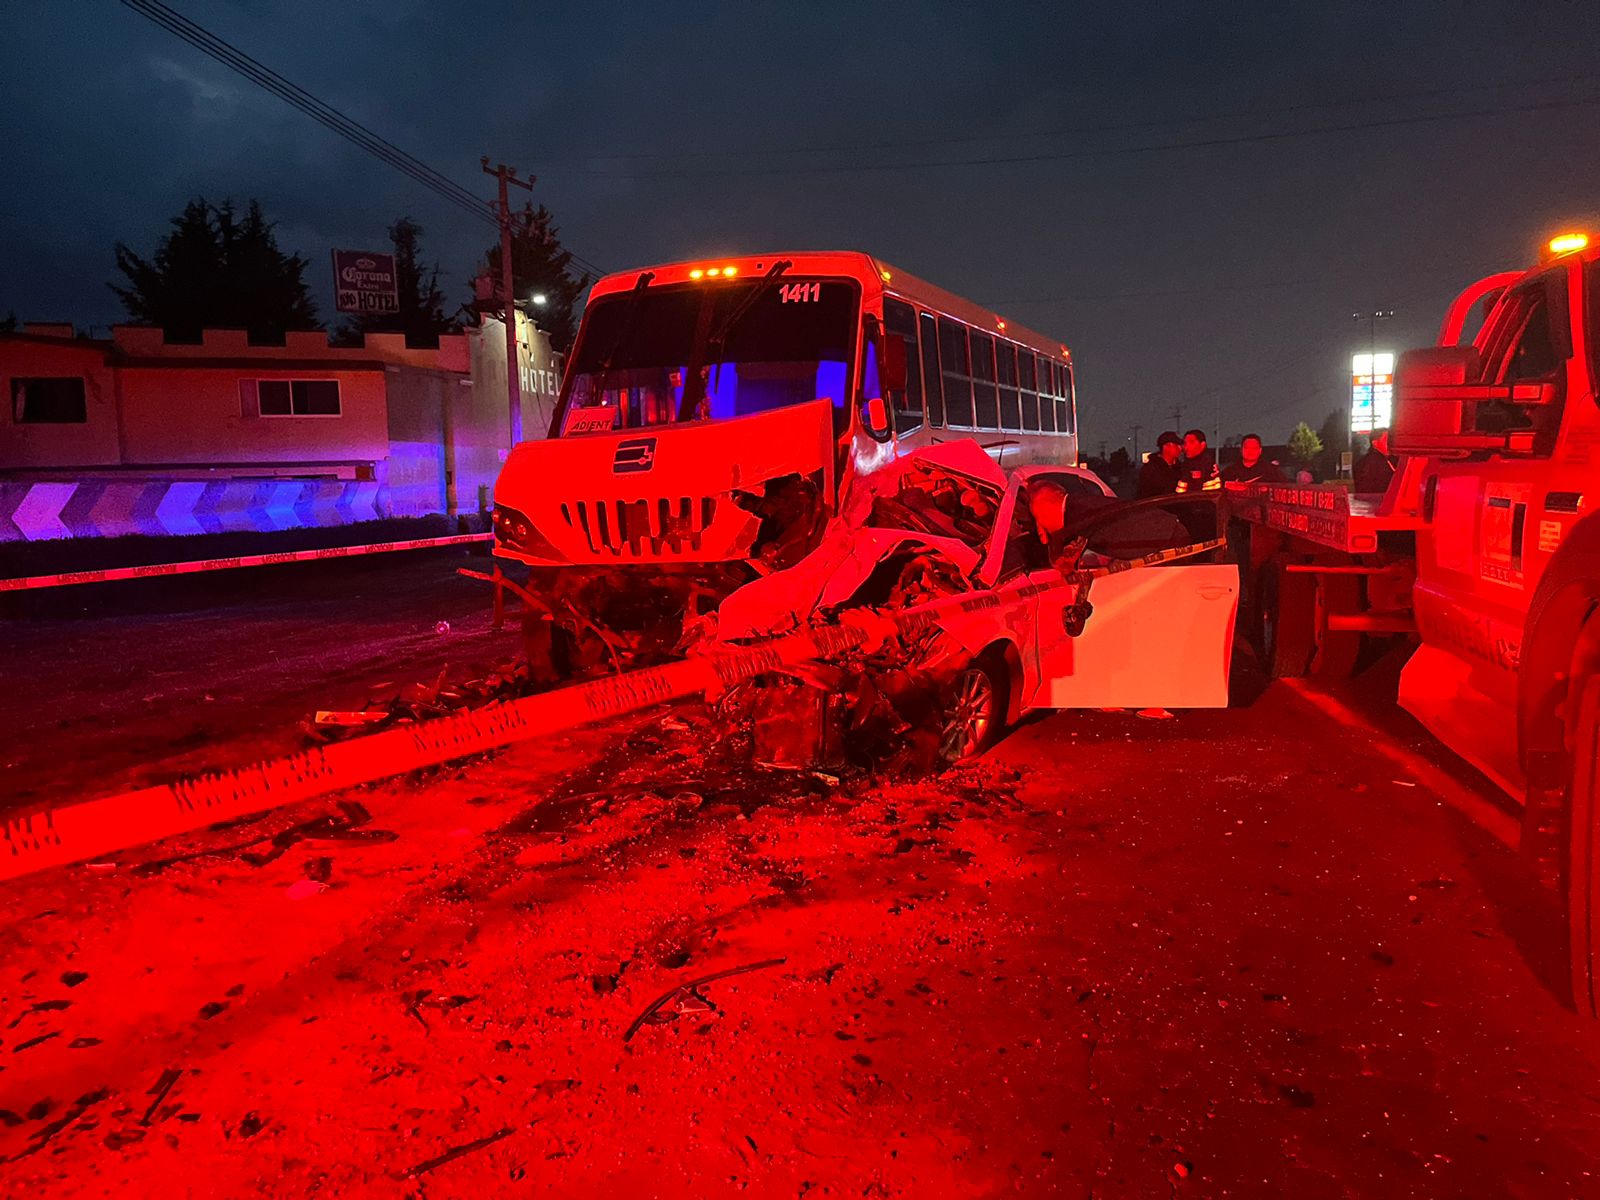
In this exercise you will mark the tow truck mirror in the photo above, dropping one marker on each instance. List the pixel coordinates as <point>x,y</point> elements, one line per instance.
<point>1437,394</point>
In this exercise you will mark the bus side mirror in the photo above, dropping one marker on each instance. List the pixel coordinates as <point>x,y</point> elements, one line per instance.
<point>875,416</point>
<point>893,372</point>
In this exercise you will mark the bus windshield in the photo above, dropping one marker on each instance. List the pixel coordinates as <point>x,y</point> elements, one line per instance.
<point>760,345</point>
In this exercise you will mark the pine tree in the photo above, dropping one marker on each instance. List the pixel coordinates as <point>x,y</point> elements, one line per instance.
<point>217,270</point>
<point>540,266</point>
<point>421,314</point>
<point>1304,444</point>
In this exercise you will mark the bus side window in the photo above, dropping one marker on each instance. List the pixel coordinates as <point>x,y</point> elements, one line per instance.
<point>1027,381</point>
<point>985,406</point>
<point>1066,409</point>
<point>1047,408</point>
<point>930,369</point>
<point>900,320</point>
<point>957,379</point>
<point>1005,361</point>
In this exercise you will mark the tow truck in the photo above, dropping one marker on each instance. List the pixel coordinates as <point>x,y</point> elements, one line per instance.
<point>1484,551</point>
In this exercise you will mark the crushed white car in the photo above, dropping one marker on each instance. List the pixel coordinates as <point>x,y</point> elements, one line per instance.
<point>947,523</point>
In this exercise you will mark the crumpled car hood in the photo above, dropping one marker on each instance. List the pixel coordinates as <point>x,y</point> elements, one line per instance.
<point>783,601</point>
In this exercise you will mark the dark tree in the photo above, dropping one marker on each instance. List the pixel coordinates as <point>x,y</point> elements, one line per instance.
<point>421,316</point>
<point>10,324</point>
<point>1120,462</point>
<point>1335,438</point>
<point>217,270</point>
<point>539,266</point>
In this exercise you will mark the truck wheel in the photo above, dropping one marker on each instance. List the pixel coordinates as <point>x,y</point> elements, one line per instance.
<point>1337,650</point>
<point>1288,624</point>
<point>1581,878</point>
<point>974,713</point>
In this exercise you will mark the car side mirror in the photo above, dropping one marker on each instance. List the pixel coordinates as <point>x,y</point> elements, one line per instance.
<point>1437,392</point>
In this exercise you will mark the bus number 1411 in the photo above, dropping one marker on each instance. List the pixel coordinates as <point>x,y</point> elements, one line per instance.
<point>799,293</point>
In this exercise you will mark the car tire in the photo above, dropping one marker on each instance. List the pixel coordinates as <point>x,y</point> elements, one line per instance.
<point>973,713</point>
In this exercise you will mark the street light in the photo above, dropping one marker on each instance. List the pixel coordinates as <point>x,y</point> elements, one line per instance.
<point>540,299</point>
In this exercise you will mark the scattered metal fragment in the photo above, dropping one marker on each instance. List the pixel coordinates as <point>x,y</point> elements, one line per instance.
<point>422,1168</point>
<point>41,1136</point>
<point>688,990</point>
<point>162,1086</point>
<point>40,1006</point>
<point>412,1001</point>
<point>349,718</point>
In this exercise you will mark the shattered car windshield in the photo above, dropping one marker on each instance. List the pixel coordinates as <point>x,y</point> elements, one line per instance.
<point>794,342</point>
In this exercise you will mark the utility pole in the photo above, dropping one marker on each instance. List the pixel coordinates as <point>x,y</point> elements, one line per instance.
<point>1177,420</point>
<point>1136,431</point>
<point>502,211</point>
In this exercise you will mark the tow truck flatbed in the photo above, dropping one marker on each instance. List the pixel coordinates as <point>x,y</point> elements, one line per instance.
<point>1325,514</point>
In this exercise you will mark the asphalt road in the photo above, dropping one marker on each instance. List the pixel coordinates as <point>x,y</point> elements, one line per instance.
<point>1265,951</point>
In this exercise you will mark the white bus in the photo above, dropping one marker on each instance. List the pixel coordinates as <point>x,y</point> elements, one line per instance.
<point>712,414</point>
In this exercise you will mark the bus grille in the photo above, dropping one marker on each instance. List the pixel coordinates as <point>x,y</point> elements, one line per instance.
<point>640,527</point>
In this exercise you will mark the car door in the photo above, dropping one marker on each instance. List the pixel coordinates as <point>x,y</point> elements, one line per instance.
<point>1159,636</point>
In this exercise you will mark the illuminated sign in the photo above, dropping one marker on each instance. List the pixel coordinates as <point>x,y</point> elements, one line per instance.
<point>1371,391</point>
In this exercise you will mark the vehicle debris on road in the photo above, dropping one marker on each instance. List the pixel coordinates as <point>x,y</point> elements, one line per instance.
<point>688,998</point>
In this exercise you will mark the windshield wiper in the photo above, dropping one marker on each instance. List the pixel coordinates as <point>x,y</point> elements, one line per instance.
<point>701,357</point>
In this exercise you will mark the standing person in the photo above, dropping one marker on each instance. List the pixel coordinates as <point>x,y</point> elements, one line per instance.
<point>1199,470</point>
<point>1375,468</point>
<point>1253,465</point>
<point>1159,474</point>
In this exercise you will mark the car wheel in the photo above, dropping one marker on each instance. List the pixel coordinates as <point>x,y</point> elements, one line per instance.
<point>973,716</point>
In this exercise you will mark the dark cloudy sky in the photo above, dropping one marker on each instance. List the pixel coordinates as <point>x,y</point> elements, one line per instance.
<point>1214,275</point>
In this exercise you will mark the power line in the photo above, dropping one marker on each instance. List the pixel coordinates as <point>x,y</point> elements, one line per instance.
<point>1073,130</point>
<point>1320,283</point>
<point>324,114</point>
<point>1108,151</point>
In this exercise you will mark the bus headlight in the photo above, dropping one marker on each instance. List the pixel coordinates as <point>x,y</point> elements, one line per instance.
<point>514,531</point>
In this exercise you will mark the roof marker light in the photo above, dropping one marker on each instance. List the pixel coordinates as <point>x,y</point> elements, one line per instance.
<point>1568,243</point>
<point>714,271</point>
<point>1000,324</point>
<point>729,272</point>
<point>885,276</point>
<point>696,273</point>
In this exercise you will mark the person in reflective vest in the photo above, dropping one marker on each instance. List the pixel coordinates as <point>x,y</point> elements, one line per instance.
<point>1199,470</point>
